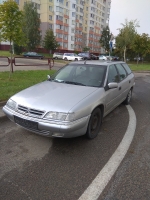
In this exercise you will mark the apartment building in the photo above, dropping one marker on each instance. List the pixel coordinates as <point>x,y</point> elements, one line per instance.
<point>75,23</point>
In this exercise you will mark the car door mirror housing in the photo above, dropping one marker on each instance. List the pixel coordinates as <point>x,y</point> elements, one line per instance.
<point>112,85</point>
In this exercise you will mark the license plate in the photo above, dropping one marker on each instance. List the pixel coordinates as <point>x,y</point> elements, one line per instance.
<point>26,123</point>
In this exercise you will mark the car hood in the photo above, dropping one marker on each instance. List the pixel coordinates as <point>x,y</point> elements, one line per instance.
<point>52,96</point>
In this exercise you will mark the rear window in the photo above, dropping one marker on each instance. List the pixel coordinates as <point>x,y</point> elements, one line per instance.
<point>127,68</point>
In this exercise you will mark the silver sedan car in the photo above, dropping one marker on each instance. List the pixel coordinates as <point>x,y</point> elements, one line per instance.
<point>73,101</point>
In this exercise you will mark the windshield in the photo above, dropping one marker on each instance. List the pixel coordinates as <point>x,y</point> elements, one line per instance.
<point>81,74</point>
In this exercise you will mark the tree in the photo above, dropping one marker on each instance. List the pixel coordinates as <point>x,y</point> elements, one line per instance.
<point>31,26</point>
<point>126,36</point>
<point>49,41</point>
<point>11,24</point>
<point>141,45</point>
<point>105,39</point>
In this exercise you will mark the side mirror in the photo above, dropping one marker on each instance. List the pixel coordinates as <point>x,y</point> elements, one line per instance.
<point>112,85</point>
<point>48,77</point>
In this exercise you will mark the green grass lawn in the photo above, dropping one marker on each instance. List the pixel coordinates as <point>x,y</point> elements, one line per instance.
<point>140,67</point>
<point>20,80</point>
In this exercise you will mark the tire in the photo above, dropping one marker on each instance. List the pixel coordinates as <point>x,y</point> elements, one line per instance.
<point>76,59</point>
<point>65,58</point>
<point>94,124</point>
<point>128,98</point>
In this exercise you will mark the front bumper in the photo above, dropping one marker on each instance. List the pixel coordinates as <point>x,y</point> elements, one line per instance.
<point>49,128</point>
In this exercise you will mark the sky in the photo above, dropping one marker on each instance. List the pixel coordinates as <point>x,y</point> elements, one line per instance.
<point>130,10</point>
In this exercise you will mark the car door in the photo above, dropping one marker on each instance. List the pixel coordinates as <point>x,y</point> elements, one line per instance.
<point>112,96</point>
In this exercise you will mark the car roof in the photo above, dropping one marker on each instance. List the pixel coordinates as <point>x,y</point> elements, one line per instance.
<point>98,62</point>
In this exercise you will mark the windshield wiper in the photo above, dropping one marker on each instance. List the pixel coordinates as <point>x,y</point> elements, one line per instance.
<point>74,83</point>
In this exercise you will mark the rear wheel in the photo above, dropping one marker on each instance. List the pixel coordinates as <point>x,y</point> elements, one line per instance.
<point>76,59</point>
<point>128,98</point>
<point>94,124</point>
<point>65,58</point>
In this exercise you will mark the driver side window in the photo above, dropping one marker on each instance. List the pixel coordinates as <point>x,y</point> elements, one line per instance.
<point>112,74</point>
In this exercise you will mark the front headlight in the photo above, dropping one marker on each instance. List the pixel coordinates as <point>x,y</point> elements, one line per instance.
<point>11,104</point>
<point>60,116</point>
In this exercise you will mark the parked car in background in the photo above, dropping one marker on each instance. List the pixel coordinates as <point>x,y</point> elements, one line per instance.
<point>138,58</point>
<point>33,55</point>
<point>85,55</point>
<point>94,57</point>
<point>74,100</point>
<point>58,55</point>
<point>102,57</point>
<point>71,56</point>
<point>115,58</point>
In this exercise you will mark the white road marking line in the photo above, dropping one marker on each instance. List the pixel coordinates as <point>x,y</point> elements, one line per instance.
<point>99,183</point>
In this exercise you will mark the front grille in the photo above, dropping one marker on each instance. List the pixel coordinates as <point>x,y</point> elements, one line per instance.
<point>30,111</point>
<point>30,125</point>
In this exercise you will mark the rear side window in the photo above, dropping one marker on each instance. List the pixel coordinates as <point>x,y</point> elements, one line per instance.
<point>121,71</point>
<point>127,68</point>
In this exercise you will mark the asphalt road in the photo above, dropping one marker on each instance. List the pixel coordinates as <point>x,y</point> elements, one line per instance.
<point>34,167</point>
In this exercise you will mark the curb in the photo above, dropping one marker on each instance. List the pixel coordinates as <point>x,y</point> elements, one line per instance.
<point>141,71</point>
<point>2,103</point>
<point>2,115</point>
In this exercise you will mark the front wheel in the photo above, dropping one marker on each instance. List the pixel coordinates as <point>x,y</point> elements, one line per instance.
<point>76,59</point>
<point>128,98</point>
<point>94,124</point>
<point>65,58</point>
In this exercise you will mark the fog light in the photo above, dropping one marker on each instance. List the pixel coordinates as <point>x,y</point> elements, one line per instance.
<point>57,134</point>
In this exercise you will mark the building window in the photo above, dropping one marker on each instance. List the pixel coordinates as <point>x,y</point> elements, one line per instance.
<point>58,17</point>
<point>50,8</point>
<point>50,17</point>
<point>60,1</point>
<point>73,22</point>
<point>73,14</point>
<point>72,46</point>
<point>60,43</point>
<point>72,30</point>
<point>59,9</point>
<point>91,22</point>
<point>66,29</point>
<point>65,45</point>
<point>50,26</point>
<point>58,26</point>
<point>59,35</point>
<point>81,17</point>
<point>73,5</point>
<point>81,10</point>
<point>65,37</point>
<point>17,1</point>
<point>66,21</point>
<point>72,38</point>
<point>92,15</point>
